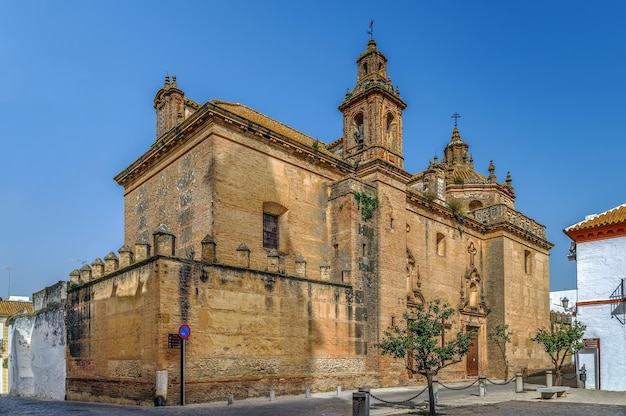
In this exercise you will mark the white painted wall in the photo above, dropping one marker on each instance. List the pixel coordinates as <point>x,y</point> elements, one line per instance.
<point>600,268</point>
<point>21,379</point>
<point>37,358</point>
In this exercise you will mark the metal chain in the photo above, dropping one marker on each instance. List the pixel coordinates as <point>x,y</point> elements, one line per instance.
<point>501,384</point>
<point>403,401</point>
<point>457,388</point>
<point>567,378</point>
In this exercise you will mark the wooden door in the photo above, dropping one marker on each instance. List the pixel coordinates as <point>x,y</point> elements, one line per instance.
<point>472,355</point>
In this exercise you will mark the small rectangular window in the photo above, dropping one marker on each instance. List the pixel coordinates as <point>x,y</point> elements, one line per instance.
<point>270,231</point>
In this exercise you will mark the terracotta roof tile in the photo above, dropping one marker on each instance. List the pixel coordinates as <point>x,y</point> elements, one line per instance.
<point>613,216</point>
<point>9,307</point>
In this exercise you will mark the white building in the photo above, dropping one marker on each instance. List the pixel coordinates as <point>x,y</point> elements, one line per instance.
<point>600,254</point>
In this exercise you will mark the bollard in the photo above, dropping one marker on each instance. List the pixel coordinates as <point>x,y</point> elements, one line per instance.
<point>307,393</point>
<point>367,396</point>
<point>548,378</point>
<point>272,395</point>
<point>359,407</point>
<point>230,399</point>
<point>519,383</point>
<point>482,386</point>
<point>161,388</point>
<point>338,390</point>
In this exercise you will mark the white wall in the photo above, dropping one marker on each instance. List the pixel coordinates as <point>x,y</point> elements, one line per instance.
<point>600,267</point>
<point>37,358</point>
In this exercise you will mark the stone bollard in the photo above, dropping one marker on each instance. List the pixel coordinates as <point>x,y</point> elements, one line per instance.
<point>231,399</point>
<point>549,378</point>
<point>519,383</point>
<point>307,393</point>
<point>482,386</point>
<point>436,390</point>
<point>359,407</point>
<point>160,398</point>
<point>338,390</point>
<point>272,395</point>
<point>367,397</point>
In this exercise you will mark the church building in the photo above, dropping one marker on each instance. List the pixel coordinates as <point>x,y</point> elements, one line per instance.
<point>287,258</point>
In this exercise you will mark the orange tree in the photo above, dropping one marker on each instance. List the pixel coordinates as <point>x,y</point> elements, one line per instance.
<point>562,340</point>
<point>419,343</point>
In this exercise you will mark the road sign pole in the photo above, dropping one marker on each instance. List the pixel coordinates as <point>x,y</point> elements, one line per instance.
<point>182,372</point>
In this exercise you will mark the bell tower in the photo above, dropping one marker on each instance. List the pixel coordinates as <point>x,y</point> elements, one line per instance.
<point>372,113</point>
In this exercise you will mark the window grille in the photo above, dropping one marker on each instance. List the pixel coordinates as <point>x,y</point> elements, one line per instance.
<point>270,231</point>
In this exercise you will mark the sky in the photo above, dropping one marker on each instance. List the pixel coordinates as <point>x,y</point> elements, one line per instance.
<point>539,85</point>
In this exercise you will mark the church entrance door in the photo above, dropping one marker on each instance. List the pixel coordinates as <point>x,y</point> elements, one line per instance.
<point>472,355</point>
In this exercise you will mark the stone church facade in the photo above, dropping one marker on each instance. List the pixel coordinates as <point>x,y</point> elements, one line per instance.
<point>288,257</point>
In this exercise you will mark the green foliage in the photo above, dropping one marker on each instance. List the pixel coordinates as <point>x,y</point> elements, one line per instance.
<point>455,206</point>
<point>367,204</point>
<point>316,145</point>
<point>5,362</point>
<point>501,336</point>
<point>429,196</point>
<point>419,343</point>
<point>562,340</point>
<point>458,180</point>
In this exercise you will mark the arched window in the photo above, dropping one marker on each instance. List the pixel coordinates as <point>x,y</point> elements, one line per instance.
<point>273,223</point>
<point>528,262</point>
<point>475,205</point>
<point>359,135</point>
<point>441,244</point>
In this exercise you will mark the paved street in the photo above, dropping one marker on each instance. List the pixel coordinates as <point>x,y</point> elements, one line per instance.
<point>499,400</point>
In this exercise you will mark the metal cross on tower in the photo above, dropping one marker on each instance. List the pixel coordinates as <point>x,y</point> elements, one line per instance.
<point>371,30</point>
<point>456,117</point>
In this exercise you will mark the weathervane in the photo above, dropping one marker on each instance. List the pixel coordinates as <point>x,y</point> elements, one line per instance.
<point>456,117</point>
<point>371,31</point>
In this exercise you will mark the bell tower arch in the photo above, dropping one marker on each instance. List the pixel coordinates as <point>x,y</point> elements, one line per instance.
<point>372,112</point>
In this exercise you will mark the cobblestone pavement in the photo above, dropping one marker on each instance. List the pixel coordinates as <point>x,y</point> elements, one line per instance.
<point>499,400</point>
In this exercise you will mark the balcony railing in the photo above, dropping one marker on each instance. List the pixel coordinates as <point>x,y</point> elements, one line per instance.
<point>497,214</point>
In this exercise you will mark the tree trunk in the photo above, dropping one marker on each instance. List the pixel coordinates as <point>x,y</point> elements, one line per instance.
<point>431,394</point>
<point>558,377</point>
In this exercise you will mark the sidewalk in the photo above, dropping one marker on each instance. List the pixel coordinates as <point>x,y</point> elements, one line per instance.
<point>495,394</point>
<point>393,401</point>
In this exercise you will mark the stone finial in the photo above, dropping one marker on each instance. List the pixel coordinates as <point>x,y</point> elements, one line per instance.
<point>509,180</point>
<point>111,263</point>
<point>85,274</point>
<point>273,261</point>
<point>97,268</point>
<point>243,255</point>
<point>126,256</point>
<point>142,250</point>
<point>208,249</point>
<point>164,241</point>
<point>74,277</point>
<point>300,266</point>
<point>492,169</point>
<point>325,270</point>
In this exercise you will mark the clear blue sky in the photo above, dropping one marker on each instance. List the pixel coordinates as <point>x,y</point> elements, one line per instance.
<point>540,86</point>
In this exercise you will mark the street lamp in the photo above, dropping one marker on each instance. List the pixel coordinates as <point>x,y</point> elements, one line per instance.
<point>565,304</point>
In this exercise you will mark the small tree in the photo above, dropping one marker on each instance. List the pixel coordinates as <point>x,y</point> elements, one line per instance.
<point>420,343</point>
<point>501,336</point>
<point>562,340</point>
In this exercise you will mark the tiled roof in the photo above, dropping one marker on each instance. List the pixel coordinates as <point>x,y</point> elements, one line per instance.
<point>9,307</point>
<point>269,123</point>
<point>613,216</point>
